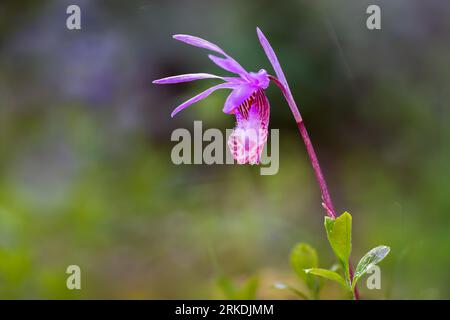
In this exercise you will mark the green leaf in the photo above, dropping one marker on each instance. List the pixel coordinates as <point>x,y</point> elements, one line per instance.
<point>327,274</point>
<point>248,291</point>
<point>339,232</point>
<point>233,292</point>
<point>227,287</point>
<point>370,259</point>
<point>303,256</point>
<point>280,285</point>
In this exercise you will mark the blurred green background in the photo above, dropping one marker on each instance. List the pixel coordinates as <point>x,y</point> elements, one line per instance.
<point>86,176</point>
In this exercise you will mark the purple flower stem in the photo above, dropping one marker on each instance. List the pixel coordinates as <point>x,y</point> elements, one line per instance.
<point>327,202</point>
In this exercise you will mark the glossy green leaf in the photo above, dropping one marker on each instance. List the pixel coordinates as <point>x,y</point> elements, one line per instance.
<point>339,232</point>
<point>327,274</point>
<point>370,259</point>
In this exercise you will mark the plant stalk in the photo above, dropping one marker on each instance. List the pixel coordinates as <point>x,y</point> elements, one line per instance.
<point>327,202</point>
<point>326,198</point>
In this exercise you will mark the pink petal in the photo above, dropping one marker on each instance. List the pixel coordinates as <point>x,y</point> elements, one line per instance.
<point>279,72</point>
<point>198,42</point>
<point>228,64</point>
<point>248,138</point>
<point>201,96</point>
<point>235,80</point>
<point>185,78</point>
<point>272,56</point>
<point>202,43</point>
<point>247,144</point>
<point>237,97</point>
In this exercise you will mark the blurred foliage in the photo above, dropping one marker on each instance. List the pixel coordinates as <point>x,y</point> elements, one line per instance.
<point>231,292</point>
<point>303,256</point>
<point>85,170</point>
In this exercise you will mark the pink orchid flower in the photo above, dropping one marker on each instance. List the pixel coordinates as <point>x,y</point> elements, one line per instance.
<point>249,104</point>
<point>247,100</point>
